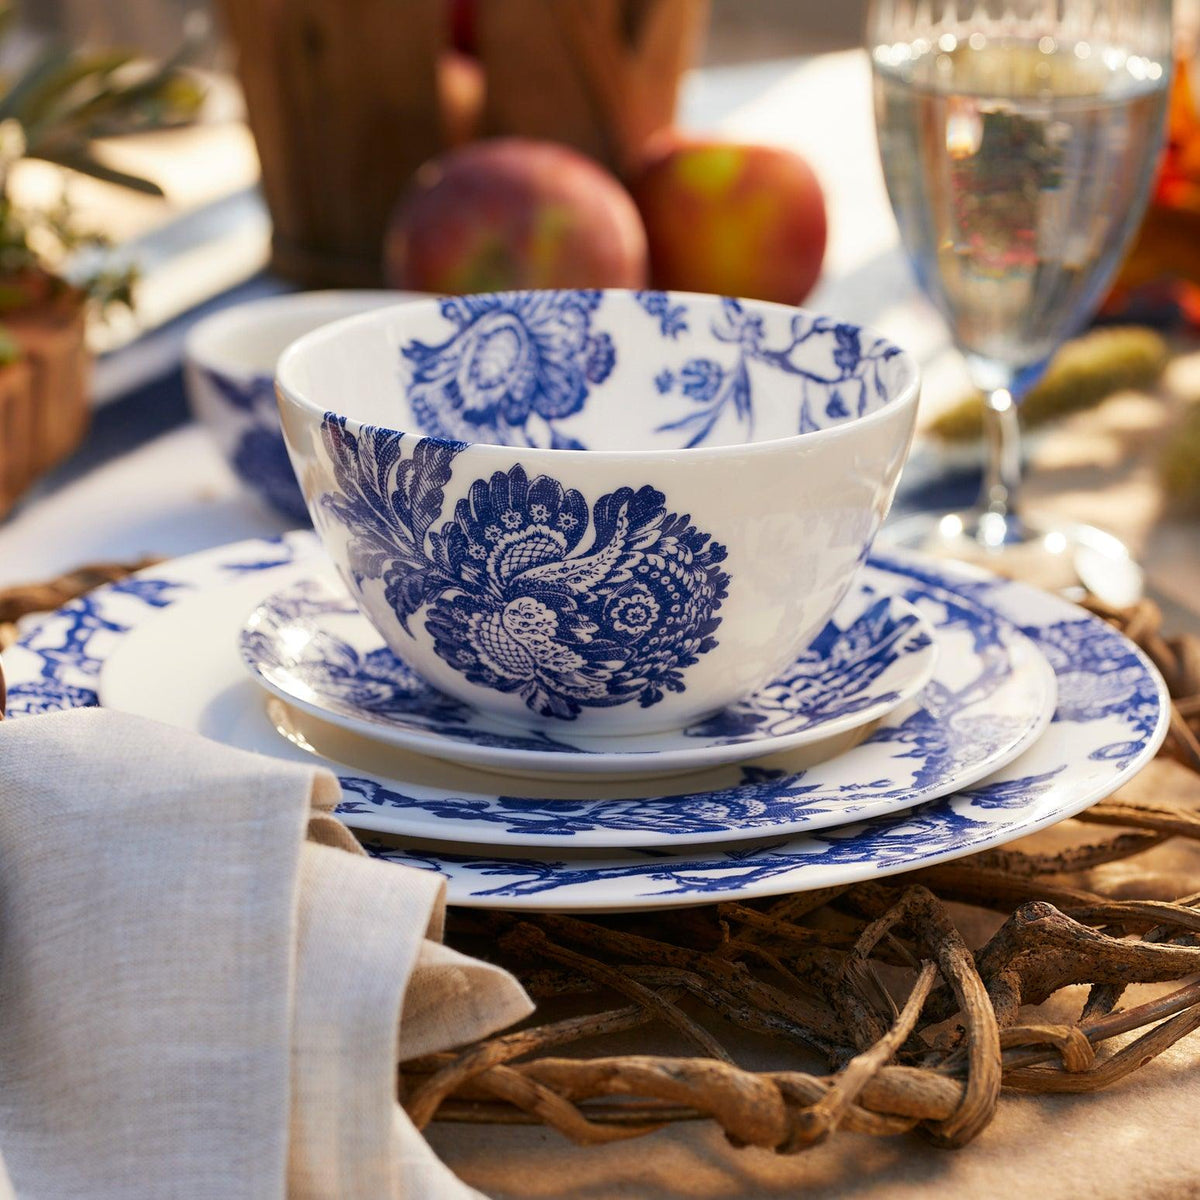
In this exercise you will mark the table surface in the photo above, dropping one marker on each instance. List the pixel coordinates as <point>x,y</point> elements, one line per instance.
<point>148,482</point>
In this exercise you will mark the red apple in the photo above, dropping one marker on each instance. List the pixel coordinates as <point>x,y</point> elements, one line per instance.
<point>514,213</point>
<point>733,220</point>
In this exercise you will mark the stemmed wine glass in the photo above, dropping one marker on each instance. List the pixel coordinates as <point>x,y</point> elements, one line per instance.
<point>1019,139</point>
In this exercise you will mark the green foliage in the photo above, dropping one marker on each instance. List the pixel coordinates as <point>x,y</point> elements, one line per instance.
<point>54,110</point>
<point>10,348</point>
<point>1180,464</point>
<point>65,99</point>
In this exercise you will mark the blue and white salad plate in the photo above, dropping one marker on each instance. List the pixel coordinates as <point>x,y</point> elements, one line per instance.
<point>1111,716</point>
<point>166,646</point>
<point>993,697</point>
<point>309,644</point>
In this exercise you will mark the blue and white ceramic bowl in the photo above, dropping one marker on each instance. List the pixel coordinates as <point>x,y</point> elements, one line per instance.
<point>621,510</point>
<point>229,370</point>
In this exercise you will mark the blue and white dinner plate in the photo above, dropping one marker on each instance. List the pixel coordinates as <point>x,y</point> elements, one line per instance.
<point>994,695</point>
<point>165,645</point>
<point>1111,718</point>
<point>309,644</point>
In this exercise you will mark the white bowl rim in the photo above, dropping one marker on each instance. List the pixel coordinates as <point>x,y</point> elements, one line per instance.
<point>906,398</point>
<point>204,343</point>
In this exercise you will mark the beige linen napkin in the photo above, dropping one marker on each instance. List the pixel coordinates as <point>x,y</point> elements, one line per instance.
<point>205,985</point>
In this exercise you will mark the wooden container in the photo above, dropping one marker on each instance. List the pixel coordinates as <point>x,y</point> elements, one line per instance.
<point>43,397</point>
<point>54,344</point>
<point>17,469</point>
<point>347,98</point>
<point>601,75</point>
<point>343,101</point>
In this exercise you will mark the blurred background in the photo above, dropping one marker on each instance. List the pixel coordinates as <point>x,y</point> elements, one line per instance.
<point>161,159</point>
<point>208,229</point>
<point>740,30</point>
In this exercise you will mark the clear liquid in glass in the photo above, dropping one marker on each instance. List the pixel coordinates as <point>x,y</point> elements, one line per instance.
<point>1018,172</point>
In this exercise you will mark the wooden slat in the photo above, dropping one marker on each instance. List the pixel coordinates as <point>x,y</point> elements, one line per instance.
<point>342,97</point>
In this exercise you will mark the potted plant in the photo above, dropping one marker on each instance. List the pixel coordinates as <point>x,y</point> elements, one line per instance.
<point>54,110</point>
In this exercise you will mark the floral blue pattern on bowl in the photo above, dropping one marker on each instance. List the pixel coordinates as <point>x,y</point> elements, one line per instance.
<point>718,390</point>
<point>511,360</point>
<point>514,367</point>
<point>527,591</point>
<point>309,645</point>
<point>1101,736</point>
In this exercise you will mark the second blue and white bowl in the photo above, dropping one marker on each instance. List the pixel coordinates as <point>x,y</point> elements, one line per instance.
<point>229,370</point>
<point>621,510</point>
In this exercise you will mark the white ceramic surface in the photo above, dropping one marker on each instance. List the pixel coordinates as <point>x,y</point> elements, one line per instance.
<point>618,511</point>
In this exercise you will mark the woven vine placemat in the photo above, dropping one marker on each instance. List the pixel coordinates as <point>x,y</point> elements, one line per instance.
<point>917,1007</point>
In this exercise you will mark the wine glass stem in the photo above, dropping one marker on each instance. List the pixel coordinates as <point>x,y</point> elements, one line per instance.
<point>1002,466</point>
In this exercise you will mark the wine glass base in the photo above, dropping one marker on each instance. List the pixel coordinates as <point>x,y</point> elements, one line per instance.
<point>1058,555</point>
